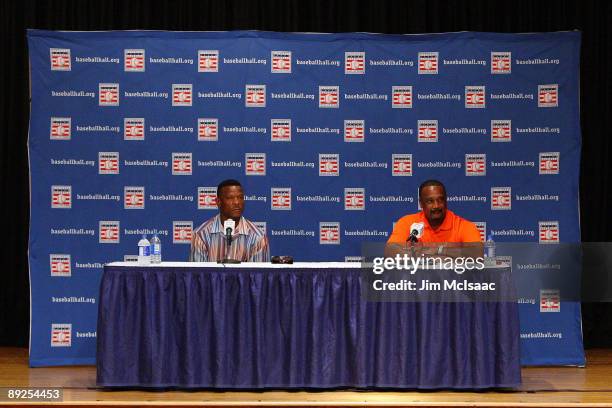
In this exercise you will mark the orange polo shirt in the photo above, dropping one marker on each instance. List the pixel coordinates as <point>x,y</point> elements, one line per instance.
<point>452,229</point>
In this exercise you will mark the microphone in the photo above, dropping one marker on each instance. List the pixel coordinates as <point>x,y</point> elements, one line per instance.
<point>416,231</point>
<point>229,226</point>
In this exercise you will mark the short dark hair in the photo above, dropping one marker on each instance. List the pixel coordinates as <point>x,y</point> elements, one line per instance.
<point>428,183</point>
<point>227,183</point>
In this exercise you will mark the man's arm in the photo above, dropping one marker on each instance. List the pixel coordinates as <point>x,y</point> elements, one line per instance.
<point>199,250</point>
<point>260,252</point>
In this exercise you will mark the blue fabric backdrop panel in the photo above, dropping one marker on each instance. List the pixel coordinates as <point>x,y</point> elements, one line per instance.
<point>330,134</point>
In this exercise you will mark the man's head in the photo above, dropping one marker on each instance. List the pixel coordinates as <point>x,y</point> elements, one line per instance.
<point>432,196</point>
<point>230,199</point>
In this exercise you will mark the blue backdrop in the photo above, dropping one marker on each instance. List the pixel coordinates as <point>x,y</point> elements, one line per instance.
<point>330,134</point>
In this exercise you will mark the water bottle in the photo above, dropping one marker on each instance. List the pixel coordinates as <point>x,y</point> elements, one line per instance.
<point>144,251</point>
<point>155,250</point>
<point>490,247</point>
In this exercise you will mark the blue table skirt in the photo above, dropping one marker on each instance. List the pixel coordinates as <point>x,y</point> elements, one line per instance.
<point>292,328</point>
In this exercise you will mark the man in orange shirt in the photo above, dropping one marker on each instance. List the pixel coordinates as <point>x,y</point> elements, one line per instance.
<point>436,224</point>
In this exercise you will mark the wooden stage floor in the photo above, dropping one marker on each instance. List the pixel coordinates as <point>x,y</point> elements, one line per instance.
<point>542,387</point>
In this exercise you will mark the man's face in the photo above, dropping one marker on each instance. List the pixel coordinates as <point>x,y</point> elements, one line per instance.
<point>433,203</point>
<point>231,202</point>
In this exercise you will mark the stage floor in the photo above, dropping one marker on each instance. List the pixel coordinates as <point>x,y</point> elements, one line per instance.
<point>542,387</point>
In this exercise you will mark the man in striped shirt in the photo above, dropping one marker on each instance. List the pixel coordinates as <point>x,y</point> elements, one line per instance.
<point>249,243</point>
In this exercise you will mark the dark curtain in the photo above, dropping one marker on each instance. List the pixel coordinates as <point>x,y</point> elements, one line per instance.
<point>593,18</point>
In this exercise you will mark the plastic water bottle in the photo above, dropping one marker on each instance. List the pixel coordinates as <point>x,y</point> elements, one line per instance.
<point>144,251</point>
<point>155,250</point>
<point>490,247</point>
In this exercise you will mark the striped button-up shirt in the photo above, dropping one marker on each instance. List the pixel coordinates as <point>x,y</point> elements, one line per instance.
<point>249,243</point>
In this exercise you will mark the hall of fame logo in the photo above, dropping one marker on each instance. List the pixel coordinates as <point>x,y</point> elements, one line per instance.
<point>428,131</point>
<point>281,62</point>
<point>501,62</point>
<point>133,197</point>
<point>182,231</point>
<point>61,335</point>
<point>255,96</point>
<point>108,162</point>
<point>60,265</point>
<point>208,60</point>
<point>402,164</point>
<point>133,128</point>
<point>548,232</point>
<point>134,60</point>
<point>428,62</point>
<point>548,96</point>
<point>280,198</point>
<point>61,128</point>
<point>207,198</point>
<point>475,164</point>
<point>475,97</point>
<point>329,164</point>
<point>61,196</point>
<point>130,258</point>
<point>329,233</point>
<point>481,226</point>
<point>401,97</point>
<point>329,96</point>
<point>549,162</point>
<point>182,94</point>
<point>108,232</point>
<point>181,164</point>
<point>354,62</point>
<point>60,59</point>
<point>354,130</point>
<point>281,130</point>
<point>354,199</point>
<point>108,94</point>
<point>501,198</point>
<point>208,129</point>
<point>550,300</point>
<point>255,164</point>
<point>501,131</point>
<point>262,226</point>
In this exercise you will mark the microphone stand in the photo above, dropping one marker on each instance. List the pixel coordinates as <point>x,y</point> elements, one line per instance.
<point>225,259</point>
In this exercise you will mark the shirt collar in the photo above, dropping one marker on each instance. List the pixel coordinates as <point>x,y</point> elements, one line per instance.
<point>446,225</point>
<point>217,227</point>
